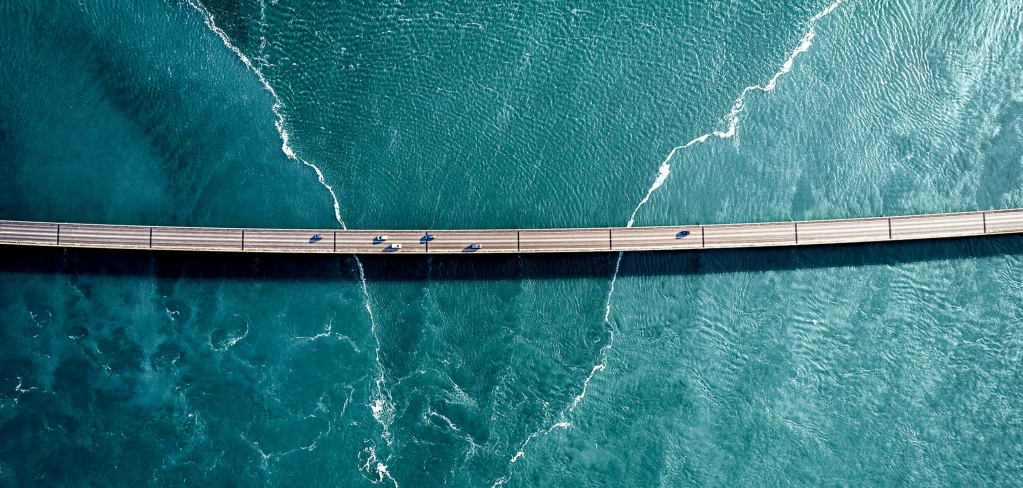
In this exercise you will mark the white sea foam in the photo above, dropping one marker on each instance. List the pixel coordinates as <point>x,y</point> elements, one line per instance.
<point>663,172</point>
<point>21,390</point>
<point>348,399</point>
<point>342,337</point>
<point>279,123</point>
<point>662,175</point>
<point>732,117</point>
<point>234,340</point>
<point>559,425</point>
<point>382,408</point>
<point>266,457</point>
<point>375,467</point>
<point>322,335</point>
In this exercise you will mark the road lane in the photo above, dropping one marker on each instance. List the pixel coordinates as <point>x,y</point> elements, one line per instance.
<point>656,238</point>
<point>196,238</point>
<point>749,235</point>
<point>366,242</point>
<point>878,229</point>
<point>565,240</point>
<point>461,241</point>
<point>37,233</point>
<point>841,231</point>
<point>289,240</point>
<point>941,225</point>
<point>109,236</point>
<point>1003,222</point>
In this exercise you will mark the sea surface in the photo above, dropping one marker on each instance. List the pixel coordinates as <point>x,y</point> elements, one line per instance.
<point>857,365</point>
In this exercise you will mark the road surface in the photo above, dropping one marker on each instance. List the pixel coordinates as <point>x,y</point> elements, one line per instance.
<point>513,241</point>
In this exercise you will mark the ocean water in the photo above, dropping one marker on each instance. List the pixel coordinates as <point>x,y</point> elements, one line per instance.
<point>895,364</point>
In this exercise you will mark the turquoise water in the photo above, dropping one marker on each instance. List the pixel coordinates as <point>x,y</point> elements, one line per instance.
<point>844,365</point>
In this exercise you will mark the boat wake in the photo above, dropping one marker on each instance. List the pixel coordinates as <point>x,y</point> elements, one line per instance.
<point>731,120</point>
<point>381,407</point>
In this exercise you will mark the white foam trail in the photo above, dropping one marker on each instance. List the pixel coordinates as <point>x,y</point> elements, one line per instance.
<point>383,410</point>
<point>559,425</point>
<point>663,172</point>
<point>662,175</point>
<point>234,340</point>
<point>607,309</point>
<point>732,117</point>
<point>279,123</point>
<point>327,331</point>
<point>382,407</point>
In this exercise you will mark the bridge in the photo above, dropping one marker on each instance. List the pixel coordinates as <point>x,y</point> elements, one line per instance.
<point>513,241</point>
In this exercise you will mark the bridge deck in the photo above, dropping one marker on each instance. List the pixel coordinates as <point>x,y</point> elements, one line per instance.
<point>511,241</point>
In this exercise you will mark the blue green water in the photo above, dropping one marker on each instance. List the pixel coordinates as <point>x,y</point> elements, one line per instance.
<point>847,365</point>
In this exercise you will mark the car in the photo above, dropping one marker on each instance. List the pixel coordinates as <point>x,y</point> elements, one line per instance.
<point>476,246</point>
<point>428,237</point>
<point>315,238</point>
<point>396,246</point>
<point>381,238</point>
<point>682,234</point>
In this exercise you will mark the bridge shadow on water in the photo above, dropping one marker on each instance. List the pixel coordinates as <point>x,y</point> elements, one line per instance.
<point>324,268</point>
<point>487,267</point>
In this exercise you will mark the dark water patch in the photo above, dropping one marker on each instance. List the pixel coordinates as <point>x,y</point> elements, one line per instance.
<point>139,115</point>
<point>229,16</point>
<point>156,368</point>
